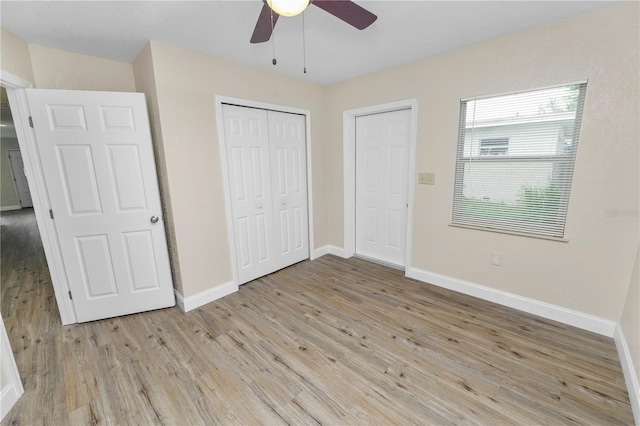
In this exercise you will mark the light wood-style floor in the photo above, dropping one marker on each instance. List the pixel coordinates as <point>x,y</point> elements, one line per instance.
<point>331,341</point>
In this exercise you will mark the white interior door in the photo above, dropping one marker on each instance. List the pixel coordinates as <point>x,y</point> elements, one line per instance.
<point>382,165</point>
<point>97,160</point>
<point>22,186</point>
<point>267,182</point>
<point>289,186</point>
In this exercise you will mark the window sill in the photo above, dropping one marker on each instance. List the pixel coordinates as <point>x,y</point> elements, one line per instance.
<point>502,231</point>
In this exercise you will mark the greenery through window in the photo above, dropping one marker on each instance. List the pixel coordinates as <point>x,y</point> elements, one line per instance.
<point>515,160</point>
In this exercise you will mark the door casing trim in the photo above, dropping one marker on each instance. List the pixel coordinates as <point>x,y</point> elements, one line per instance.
<point>349,170</point>
<point>219,101</point>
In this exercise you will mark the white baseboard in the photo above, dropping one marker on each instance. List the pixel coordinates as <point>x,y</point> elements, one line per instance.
<point>546,310</point>
<point>328,249</point>
<point>630,373</point>
<point>192,302</point>
<point>179,299</point>
<point>532,306</point>
<point>319,252</point>
<point>7,208</point>
<point>337,251</point>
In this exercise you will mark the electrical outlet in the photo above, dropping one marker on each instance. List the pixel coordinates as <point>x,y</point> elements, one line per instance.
<point>496,258</point>
<point>426,178</point>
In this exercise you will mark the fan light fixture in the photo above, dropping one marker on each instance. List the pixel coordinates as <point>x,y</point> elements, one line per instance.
<point>288,7</point>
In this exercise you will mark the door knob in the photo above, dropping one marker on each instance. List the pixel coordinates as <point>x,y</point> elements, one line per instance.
<point>154,219</point>
<point>259,206</point>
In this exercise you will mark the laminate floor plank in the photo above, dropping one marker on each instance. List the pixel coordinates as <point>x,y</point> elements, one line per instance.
<point>329,341</point>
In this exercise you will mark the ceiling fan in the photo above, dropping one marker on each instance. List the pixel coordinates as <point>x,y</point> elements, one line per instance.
<point>345,10</point>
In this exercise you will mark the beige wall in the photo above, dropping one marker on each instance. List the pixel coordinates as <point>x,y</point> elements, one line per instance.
<point>14,55</point>
<point>590,272</point>
<point>630,322</point>
<point>50,68</point>
<point>60,69</point>
<point>8,195</point>
<point>186,85</point>
<point>146,82</point>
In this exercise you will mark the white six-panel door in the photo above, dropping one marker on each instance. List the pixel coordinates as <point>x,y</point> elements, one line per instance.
<point>289,186</point>
<point>266,165</point>
<point>247,148</point>
<point>97,160</point>
<point>382,164</point>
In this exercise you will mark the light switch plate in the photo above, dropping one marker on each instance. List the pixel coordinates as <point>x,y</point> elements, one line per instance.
<point>426,178</point>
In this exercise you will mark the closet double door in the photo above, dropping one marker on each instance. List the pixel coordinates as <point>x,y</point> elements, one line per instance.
<point>267,184</point>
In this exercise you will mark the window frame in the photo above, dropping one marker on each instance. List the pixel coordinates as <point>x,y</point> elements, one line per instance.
<point>458,217</point>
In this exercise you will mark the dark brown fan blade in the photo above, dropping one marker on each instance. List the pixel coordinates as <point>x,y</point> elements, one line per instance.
<point>348,11</point>
<point>263,29</point>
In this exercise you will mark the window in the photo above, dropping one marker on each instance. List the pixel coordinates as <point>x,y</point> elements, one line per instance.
<point>499,146</point>
<point>515,160</point>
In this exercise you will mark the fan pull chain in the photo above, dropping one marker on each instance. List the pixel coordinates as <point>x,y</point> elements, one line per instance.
<point>273,41</point>
<point>304,47</point>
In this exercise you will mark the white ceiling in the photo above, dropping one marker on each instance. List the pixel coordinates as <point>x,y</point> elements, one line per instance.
<point>405,30</point>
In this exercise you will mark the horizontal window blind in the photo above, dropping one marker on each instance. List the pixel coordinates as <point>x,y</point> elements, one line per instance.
<point>515,160</point>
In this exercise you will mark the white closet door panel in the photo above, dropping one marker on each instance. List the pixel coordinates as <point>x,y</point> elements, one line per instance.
<point>266,169</point>
<point>247,149</point>
<point>382,161</point>
<point>287,142</point>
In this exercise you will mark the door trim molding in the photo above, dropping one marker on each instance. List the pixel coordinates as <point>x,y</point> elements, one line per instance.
<point>219,101</point>
<point>15,87</point>
<point>14,389</point>
<point>349,170</point>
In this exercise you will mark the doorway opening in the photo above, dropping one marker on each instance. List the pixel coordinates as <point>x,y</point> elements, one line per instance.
<point>350,166</point>
<point>28,303</point>
<point>53,270</point>
<point>25,285</point>
<point>14,193</point>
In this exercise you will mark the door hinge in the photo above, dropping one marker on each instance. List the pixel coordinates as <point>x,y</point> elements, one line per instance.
<point>30,122</point>
<point>70,296</point>
<point>51,213</point>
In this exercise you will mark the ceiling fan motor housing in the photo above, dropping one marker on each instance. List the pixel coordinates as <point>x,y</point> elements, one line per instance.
<point>288,7</point>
